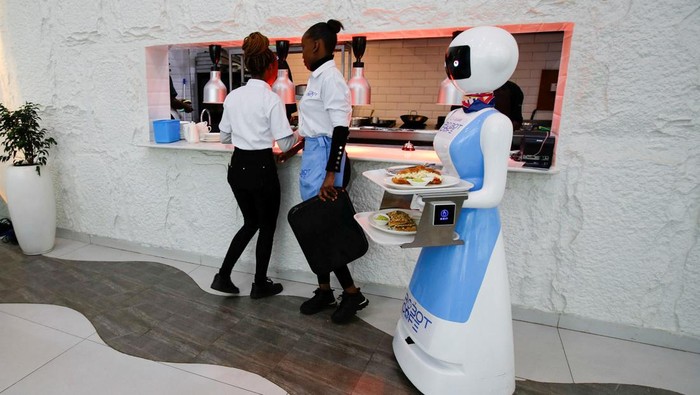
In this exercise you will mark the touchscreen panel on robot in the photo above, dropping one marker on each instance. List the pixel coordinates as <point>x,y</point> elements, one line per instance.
<point>455,332</point>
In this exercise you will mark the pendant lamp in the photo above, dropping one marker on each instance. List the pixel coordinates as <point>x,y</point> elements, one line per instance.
<point>360,91</point>
<point>283,86</point>
<point>214,90</point>
<point>448,93</point>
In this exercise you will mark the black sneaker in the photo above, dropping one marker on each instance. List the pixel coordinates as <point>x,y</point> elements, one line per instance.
<point>268,288</point>
<point>322,299</point>
<point>349,305</point>
<point>224,285</point>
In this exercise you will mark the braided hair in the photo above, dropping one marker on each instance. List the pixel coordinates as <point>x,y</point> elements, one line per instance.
<point>326,31</point>
<point>257,54</point>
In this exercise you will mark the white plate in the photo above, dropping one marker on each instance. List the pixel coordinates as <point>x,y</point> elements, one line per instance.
<point>210,137</point>
<point>415,214</point>
<point>447,181</point>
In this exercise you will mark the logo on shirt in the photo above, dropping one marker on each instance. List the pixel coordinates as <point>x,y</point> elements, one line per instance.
<point>450,127</point>
<point>311,93</point>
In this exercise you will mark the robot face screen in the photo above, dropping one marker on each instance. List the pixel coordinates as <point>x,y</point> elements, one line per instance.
<point>457,62</point>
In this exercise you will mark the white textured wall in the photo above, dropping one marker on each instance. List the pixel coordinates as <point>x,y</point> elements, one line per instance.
<point>612,237</point>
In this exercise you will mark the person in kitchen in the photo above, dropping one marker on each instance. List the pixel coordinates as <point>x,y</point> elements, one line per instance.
<point>177,104</point>
<point>509,102</point>
<point>254,118</point>
<point>324,117</point>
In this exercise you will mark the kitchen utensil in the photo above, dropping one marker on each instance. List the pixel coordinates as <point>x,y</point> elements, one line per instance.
<point>210,137</point>
<point>413,118</point>
<point>300,89</point>
<point>383,123</point>
<point>203,128</point>
<point>183,130</point>
<point>380,219</point>
<point>359,121</point>
<point>191,132</point>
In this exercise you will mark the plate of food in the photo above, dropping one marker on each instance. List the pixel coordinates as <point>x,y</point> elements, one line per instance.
<point>396,221</point>
<point>420,177</point>
<point>393,170</point>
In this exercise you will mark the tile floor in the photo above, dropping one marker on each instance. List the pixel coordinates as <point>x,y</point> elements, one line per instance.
<point>54,349</point>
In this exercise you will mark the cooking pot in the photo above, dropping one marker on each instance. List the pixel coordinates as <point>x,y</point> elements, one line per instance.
<point>413,118</point>
<point>359,121</point>
<point>300,89</point>
<point>383,123</point>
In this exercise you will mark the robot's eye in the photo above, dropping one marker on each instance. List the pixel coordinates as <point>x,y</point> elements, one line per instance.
<point>457,62</point>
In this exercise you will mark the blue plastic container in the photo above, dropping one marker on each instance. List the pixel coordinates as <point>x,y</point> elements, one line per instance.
<point>166,130</point>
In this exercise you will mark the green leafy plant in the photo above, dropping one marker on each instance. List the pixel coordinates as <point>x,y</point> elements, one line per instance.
<point>20,133</point>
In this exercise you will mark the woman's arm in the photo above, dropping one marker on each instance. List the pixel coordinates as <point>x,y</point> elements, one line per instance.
<point>336,102</point>
<point>286,143</point>
<point>225,126</point>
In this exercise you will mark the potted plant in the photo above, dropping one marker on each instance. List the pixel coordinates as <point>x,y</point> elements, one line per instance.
<point>28,185</point>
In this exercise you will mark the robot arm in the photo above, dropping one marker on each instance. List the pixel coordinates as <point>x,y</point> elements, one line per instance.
<point>496,136</point>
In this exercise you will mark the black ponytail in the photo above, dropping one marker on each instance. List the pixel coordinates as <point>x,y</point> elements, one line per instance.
<point>327,32</point>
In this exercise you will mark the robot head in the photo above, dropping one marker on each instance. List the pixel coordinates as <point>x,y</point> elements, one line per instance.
<point>481,59</point>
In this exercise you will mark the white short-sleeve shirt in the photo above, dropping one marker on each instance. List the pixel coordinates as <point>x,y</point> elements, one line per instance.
<point>326,103</point>
<point>254,117</point>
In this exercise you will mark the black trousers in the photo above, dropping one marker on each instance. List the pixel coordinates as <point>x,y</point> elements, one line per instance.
<point>252,176</point>
<point>343,274</point>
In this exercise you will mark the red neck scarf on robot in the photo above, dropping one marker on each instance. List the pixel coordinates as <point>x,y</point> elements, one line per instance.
<point>478,101</point>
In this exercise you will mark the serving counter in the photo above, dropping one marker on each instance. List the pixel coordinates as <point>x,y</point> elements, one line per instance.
<point>362,152</point>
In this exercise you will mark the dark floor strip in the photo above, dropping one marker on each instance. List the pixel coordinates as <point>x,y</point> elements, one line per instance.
<point>157,312</point>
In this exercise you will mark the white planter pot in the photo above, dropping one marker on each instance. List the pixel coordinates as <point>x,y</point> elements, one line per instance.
<point>32,206</point>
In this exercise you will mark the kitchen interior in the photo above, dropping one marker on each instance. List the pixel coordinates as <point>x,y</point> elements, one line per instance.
<point>404,106</point>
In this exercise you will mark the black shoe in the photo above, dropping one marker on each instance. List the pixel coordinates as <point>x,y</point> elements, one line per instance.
<point>322,299</point>
<point>349,305</point>
<point>225,285</point>
<point>268,288</point>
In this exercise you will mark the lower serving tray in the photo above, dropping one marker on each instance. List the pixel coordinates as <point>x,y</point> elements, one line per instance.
<point>384,238</point>
<point>377,235</point>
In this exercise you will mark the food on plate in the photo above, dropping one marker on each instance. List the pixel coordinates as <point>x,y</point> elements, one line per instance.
<point>380,219</point>
<point>418,173</point>
<point>401,221</point>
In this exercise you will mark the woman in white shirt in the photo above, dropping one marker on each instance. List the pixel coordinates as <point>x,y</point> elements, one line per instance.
<point>324,116</point>
<point>254,118</point>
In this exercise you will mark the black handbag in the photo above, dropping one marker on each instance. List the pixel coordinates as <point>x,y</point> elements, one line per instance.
<point>327,233</point>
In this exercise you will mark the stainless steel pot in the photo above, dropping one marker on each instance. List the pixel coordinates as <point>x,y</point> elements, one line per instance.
<point>360,121</point>
<point>300,89</point>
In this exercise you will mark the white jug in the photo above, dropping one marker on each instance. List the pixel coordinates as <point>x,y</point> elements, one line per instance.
<point>191,133</point>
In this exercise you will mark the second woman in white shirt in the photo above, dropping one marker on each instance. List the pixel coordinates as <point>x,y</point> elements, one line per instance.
<point>324,117</point>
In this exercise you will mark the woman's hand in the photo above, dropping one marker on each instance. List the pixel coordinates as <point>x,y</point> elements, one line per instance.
<point>328,192</point>
<point>298,146</point>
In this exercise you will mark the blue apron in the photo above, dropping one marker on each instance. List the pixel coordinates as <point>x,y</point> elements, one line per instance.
<point>313,166</point>
<point>447,279</point>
